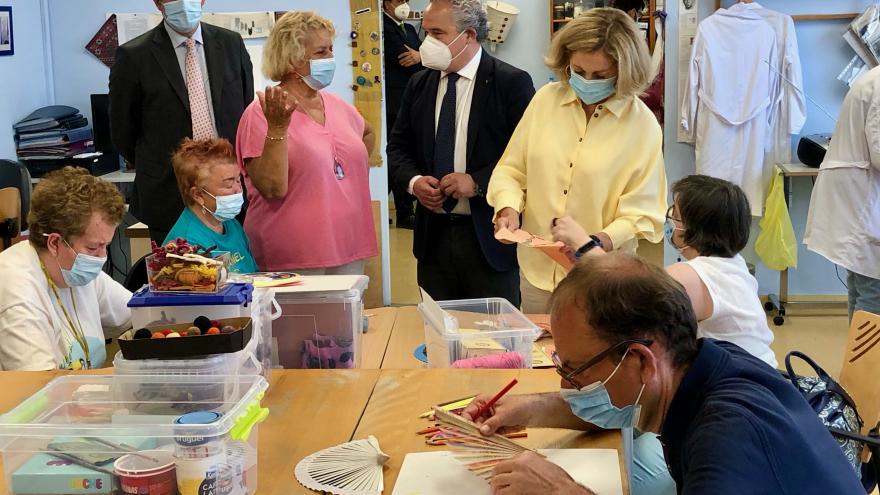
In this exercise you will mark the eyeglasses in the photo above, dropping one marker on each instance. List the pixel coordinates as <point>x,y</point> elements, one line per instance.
<point>669,214</point>
<point>569,376</point>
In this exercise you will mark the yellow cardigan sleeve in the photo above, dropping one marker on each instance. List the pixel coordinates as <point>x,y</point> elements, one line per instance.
<point>641,209</point>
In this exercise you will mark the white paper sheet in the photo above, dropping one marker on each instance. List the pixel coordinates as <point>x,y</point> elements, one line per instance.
<point>248,24</point>
<point>439,473</point>
<point>130,26</point>
<point>323,283</point>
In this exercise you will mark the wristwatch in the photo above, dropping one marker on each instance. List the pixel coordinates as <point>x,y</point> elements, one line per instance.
<point>594,242</point>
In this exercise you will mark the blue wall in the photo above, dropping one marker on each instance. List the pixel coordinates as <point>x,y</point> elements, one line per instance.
<point>23,74</point>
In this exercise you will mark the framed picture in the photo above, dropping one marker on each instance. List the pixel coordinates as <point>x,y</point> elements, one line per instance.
<point>6,44</point>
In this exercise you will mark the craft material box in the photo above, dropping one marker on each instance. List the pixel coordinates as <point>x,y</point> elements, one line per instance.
<point>228,366</point>
<point>150,309</point>
<point>86,423</point>
<point>321,322</point>
<point>471,328</point>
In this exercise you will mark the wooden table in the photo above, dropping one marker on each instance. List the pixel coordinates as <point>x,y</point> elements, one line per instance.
<point>407,334</point>
<point>315,409</point>
<point>400,396</point>
<point>375,341</point>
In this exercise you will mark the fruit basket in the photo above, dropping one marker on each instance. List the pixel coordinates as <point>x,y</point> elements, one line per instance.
<point>181,267</point>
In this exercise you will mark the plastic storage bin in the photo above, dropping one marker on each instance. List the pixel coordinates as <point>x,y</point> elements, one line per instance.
<point>48,441</point>
<point>470,328</point>
<point>320,328</point>
<point>235,300</point>
<point>230,365</point>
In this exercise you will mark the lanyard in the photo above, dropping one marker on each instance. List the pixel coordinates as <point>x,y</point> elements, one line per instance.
<point>78,334</point>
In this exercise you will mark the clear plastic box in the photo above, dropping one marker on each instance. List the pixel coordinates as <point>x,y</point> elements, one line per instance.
<point>233,301</point>
<point>471,328</point>
<point>243,362</point>
<point>94,418</point>
<point>320,329</point>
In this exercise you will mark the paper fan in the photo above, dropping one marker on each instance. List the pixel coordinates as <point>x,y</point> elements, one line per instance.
<point>479,453</point>
<point>353,468</point>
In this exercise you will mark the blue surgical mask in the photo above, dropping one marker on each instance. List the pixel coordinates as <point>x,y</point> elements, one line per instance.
<point>85,269</point>
<point>183,15</point>
<point>591,91</point>
<point>227,206</point>
<point>669,229</point>
<point>322,70</point>
<point>593,405</point>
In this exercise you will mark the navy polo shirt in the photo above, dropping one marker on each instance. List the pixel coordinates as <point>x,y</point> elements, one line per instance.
<point>735,426</point>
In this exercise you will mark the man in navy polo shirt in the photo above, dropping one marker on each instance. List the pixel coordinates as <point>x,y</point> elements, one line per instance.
<point>628,354</point>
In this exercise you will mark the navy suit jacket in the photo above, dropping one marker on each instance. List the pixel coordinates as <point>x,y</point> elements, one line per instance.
<point>396,39</point>
<point>501,94</point>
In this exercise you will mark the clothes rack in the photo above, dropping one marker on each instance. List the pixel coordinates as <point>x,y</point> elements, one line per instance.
<point>811,17</point>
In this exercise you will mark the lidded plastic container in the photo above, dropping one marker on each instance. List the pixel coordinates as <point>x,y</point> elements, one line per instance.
<point>95,418</point>
<point>471,328</point>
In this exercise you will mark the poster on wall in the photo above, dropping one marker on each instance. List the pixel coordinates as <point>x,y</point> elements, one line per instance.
<point>130,26</point>
<point>249,25</point>
<point>687,31</point>
<point>7,46</point>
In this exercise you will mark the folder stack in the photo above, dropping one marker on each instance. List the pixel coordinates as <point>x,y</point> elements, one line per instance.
<point>53,133</point>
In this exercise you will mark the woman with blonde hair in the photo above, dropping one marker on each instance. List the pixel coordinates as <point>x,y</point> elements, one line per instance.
<point>304,155</point>
<point>587,150</point>
<point>57,306</point>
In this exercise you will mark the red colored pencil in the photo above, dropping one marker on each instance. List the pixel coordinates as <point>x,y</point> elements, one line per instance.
<point>493,400</point>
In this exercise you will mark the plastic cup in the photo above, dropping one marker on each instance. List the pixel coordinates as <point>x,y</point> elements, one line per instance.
<point>139,475</point>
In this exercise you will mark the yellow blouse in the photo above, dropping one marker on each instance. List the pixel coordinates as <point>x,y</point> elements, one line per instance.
<point>608,174</point>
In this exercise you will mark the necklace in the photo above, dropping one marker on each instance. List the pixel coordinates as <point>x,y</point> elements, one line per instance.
<point>78,334</point>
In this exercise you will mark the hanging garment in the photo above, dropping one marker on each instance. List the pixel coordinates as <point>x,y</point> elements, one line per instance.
<point>726,109</point>
<point>789,112</point>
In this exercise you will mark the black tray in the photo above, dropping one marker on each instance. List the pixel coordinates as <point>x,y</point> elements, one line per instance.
<point>187,347</point>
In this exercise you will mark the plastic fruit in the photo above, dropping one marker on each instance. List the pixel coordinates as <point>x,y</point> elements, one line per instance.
<point>172,335</point>
<point>213,331</point>
<point>158,335</point>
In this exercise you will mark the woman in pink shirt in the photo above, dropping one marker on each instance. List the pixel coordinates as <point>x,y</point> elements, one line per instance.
<point>303,153</point>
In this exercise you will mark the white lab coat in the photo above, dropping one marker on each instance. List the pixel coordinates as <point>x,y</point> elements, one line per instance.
<point>789,111</point>
<point>727,106</point>
<point>843,223</point>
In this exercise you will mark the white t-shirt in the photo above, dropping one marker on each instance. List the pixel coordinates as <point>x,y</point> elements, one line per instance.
<point>843,223</point>
<point>737,313</point>
<point>34,334</point>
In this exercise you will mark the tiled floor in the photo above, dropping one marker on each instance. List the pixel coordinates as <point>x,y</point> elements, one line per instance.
<point>822,337</point>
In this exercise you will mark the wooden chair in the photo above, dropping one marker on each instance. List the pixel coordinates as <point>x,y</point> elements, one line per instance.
<point>861,367</point>
<point>10,216</point>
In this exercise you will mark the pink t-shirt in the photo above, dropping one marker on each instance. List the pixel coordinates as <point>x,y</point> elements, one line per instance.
<point>323,221</point>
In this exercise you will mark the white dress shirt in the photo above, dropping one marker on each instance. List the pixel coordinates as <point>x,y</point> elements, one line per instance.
<point>464,96</point>
<point>178,41</point>
<point>843,223</point>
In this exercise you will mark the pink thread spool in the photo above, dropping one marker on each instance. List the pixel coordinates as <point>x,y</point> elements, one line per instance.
<point>503,360</point>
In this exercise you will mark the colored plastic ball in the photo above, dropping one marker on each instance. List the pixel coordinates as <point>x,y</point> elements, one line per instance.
<point>227,329</point>
<point>215,323</point>
<point>158,335</point>
<point>172,335</point>
<point>166,332</point>
<point>143,333</point>
<point>213,331</point>
<point>193,331</point>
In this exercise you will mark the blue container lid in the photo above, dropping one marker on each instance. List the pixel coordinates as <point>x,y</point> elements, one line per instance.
<point>231,295</point>
<point>198,418</point>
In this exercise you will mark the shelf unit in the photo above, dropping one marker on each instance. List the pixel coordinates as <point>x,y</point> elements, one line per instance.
<point>647,16</point>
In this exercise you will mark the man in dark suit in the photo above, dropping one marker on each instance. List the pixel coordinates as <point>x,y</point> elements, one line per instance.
<point>402,61</point>
<point>183,78</point>
<point>454,124</point>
